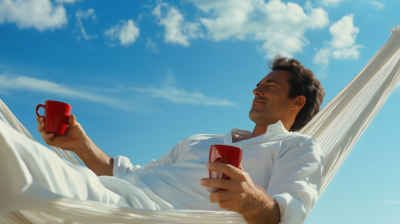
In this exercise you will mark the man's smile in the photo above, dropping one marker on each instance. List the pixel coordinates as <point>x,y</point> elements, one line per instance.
<point>258,101</point>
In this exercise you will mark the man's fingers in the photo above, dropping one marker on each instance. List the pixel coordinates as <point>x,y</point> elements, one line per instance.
<point>220,196</point>
<point>72,121</point>
<point>229,170</point>
<point>46,136</point>
<point>40,127</point>
<point>229,185</point>
<point>231,205</point>
<point>40,119</point>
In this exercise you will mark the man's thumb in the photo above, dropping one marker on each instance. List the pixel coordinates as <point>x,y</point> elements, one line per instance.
<point>72,121</point>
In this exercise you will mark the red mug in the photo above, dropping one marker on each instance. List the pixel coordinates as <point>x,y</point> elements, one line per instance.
<point>224,154</point>
<point>56,115</point>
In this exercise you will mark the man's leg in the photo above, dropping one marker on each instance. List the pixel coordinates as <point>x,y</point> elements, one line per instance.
<point>31,175</point>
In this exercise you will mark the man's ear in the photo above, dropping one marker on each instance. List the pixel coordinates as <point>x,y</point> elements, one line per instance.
<point>299,103</point>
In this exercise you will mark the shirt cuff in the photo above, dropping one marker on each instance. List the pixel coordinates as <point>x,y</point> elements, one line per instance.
<point>123,165</point>
<point>292,211</point>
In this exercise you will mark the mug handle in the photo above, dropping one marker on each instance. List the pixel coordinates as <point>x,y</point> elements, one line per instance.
<point>37,109</point>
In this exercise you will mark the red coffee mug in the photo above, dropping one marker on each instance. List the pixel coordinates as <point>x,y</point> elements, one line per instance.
<point>56,116</point>
<point>224,154</point>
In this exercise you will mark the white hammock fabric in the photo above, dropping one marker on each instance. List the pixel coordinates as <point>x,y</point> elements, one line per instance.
<point>337,127</point>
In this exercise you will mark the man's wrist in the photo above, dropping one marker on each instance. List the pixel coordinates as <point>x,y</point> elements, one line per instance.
<point>266,211</point>
<point>86,148</point>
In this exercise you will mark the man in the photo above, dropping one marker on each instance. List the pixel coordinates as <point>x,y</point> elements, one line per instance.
<point>284,169</point>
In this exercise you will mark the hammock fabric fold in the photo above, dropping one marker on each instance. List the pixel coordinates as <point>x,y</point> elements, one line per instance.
<point>337,127</point>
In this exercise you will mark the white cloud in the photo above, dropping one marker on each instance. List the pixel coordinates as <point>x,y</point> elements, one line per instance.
<point>85,15</point>
<point>171,93</point>
<point>180,96</point>
<point>45,86</point>
<point>331,2</point>
<point>118,97</point>
<point>343,44</point>
<point>177,30</point>
<point>38,14</point>
<point>126,32</point>
<point>25,83</point>
<point>391,202</point>
<point>280,26</point>
<point>377,4</point>
<point>150,45</point>
<point>67,1</point>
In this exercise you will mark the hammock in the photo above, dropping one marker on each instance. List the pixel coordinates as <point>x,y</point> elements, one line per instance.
<point>337,127</point>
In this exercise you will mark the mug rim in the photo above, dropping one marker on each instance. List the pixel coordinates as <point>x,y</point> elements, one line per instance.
<point>56,101</point>
<point>228,146</point>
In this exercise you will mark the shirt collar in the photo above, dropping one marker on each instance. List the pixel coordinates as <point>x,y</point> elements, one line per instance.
<point>272,130</point>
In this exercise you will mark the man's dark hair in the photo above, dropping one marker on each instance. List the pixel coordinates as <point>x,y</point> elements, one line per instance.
<point>302,83</point>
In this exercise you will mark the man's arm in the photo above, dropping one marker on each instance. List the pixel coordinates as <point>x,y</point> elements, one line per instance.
<point>242,195</point>
<point>294,185</point>
<point>76,140</point>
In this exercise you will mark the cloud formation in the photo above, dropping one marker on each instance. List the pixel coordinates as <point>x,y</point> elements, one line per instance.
<point>67,1</point>
<point>38,14</point>
<point>125,32</point>
<point>377,4</point>
<point>330,2</point>
<point>150,45</point>
<point>170,92</point>
<point>391,202</point>
<point>85,15</point>
<point>177,30</point>
<point>280,26</point>
<point>180,96</point>
<point>45,86</point>
<point>96,94</point>
<point>343,44</point>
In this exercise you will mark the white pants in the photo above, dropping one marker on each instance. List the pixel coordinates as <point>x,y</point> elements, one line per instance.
<point>31,175</point>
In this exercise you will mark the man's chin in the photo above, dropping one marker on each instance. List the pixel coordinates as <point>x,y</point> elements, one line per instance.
<point>255,114</point>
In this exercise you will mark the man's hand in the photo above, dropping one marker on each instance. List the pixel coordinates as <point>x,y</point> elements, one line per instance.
<point>241,195</point>
<point>76,140</point>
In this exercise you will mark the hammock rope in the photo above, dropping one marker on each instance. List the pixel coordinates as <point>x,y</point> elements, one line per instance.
<point>337,127</point>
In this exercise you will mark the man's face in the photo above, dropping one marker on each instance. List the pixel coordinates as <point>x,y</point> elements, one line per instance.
<point>271,102</point>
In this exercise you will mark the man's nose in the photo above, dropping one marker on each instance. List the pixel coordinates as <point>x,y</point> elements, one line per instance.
<point>257,92</point>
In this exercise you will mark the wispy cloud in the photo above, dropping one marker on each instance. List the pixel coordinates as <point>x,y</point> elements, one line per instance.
<point>170,92</point>
<point>118,97</point>
<point>391,201</point>
<point>377,4</point>
<point>25,83</point>
<point>330,2</point>
<point>150,45</point>
<point>85,15</point>
<point>126,32</point>
<point>67,1</point>
<point>180,96</point>
<point>38,14</point>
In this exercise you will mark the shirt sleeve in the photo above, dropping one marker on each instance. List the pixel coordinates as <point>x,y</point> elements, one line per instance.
<point>123,165</point>
<point>296,180</point>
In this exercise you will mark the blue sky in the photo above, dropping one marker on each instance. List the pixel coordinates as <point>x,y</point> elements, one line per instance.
<point>142,75</point>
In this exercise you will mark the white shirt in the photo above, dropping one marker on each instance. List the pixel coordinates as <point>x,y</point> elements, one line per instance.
<point>288,165</point>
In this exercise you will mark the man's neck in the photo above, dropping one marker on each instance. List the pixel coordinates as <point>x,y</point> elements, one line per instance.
<point>262,129</point>
<point>258,130</point>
